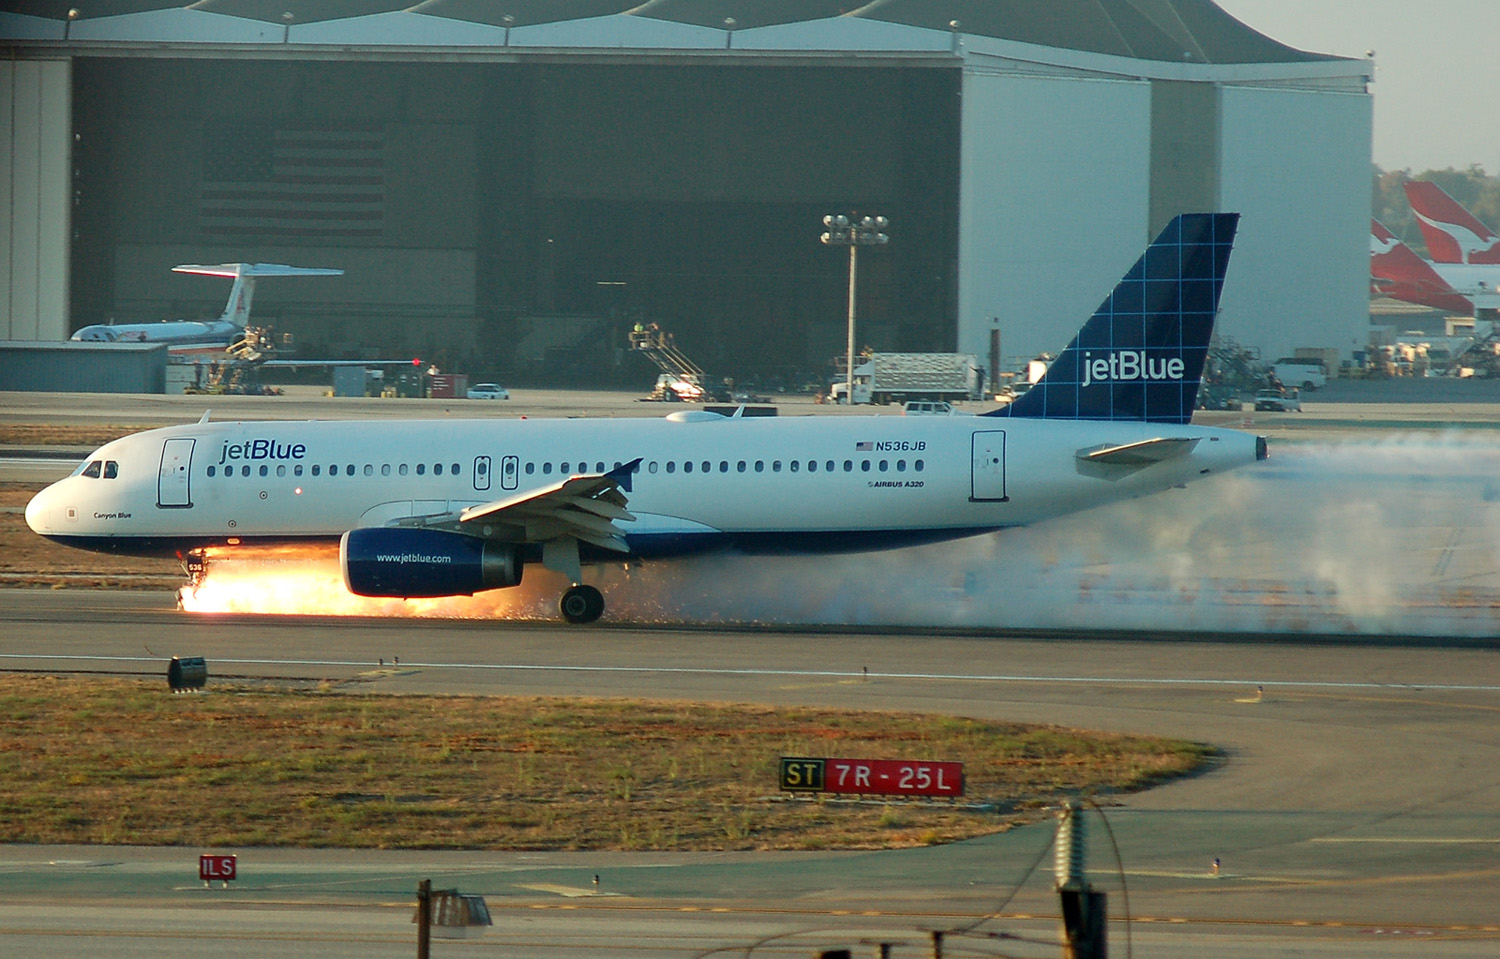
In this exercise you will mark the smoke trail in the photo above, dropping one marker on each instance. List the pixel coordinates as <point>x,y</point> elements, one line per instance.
<point>1392,536</point>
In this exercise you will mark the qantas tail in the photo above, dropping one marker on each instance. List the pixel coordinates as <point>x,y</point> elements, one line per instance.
<point>1140,356</point>
<point>1397,272</point>
<point>1453,234</point>
<point>237,310</point>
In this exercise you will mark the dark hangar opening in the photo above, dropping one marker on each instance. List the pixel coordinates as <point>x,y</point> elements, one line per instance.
<point>520,217</point>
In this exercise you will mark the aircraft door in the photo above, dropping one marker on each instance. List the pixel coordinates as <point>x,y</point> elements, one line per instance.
<point>510,468</point>
<point>988,476</point>
<point>481,472</point>
<point>172,484</point>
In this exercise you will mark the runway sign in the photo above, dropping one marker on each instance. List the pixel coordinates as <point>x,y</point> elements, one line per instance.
<point>220,868</point>
<point>872,777</point>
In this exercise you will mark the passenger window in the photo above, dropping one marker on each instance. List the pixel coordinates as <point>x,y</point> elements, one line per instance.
<point>546,469</point>
<point>848,466</point>
<point>92,470</point>
<point>369,470</point>
<point>401,470</point>
<point>265,470</point>
<point>454,469</point>
<point>530,468</point>
<point>316,469</point>
<point>812,466</point>
<point>760,466</point>
<point>599,467</point>
<point>740,466</point>
<point>794,465</point>
<point>884,465</point>
<point>211,471</point>
<point>437,469</point>
<point>671,466</point>
<point>245,470</point>
<point>776,466</point>
<point>280,469</point>
<point>562,467</point>
<point>707,466</point>
<point>828,466</point>
<point>385,469</point>
<point>651,467</point>
<point>421,469</point>
<point>297,470</point>
<point>723,466</point>
<point>111,469</point>
<point>687,466</point>
<point>864,466</point>
<point>918,466</point>
<point>349,470</point>
<point>901,466</point>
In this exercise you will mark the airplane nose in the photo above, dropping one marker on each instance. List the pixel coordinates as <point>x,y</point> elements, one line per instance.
<point>39,512</point>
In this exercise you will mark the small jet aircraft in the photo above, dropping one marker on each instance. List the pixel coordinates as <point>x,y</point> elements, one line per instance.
<point>444,508</point>
<point>186,337</point>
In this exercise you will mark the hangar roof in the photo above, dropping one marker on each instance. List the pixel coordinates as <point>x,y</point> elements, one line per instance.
<point>1172,31</point>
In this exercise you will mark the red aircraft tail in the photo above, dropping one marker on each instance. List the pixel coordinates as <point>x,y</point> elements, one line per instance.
<point>1453,234</point>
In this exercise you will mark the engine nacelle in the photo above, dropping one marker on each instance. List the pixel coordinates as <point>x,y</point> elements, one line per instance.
<point>409,563</point>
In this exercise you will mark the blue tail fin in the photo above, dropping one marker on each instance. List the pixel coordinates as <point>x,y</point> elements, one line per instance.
<point>1140,356</point>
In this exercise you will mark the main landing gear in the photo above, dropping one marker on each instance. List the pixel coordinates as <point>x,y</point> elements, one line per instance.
<point>581,604</point>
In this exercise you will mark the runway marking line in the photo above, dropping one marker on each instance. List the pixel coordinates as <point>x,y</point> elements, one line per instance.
<point>807,673</point>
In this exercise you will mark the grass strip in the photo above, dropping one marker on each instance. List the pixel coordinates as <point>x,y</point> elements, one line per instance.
<point>86,760</point>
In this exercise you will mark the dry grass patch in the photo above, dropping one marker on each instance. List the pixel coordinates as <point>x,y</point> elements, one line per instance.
<point>120,761</point>
<point>58,434</point>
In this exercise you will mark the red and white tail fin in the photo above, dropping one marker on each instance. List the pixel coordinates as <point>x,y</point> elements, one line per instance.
<point>237,310</point>
<point>1396,271</point>
<point>1453,234</point>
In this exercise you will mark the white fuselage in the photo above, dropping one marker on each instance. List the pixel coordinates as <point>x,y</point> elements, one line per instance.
<point>815,480</point>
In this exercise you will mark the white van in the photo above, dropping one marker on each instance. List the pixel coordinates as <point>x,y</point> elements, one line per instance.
<point>1302,373</point>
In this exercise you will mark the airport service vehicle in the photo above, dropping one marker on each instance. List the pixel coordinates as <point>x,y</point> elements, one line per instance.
<point>1275,401</point>
<point>897,377</point>
<point>1305,374</point>
<point>930,408</point>
<point>488,391</point>
<point>207,336</point>
<point>453,507</point>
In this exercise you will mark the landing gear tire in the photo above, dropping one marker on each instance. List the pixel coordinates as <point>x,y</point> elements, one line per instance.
<point>582,604</point>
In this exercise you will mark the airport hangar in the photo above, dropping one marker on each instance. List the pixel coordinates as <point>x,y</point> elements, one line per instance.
<point>507,182</point>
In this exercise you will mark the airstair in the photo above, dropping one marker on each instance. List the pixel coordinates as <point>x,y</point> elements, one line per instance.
<point>681,378</point>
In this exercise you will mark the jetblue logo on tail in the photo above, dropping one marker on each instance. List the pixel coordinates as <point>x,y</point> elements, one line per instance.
<point>1140,356</point>
<point>1128,365</point>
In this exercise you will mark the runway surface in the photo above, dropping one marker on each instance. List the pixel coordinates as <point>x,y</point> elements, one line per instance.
<point>1355,815</point>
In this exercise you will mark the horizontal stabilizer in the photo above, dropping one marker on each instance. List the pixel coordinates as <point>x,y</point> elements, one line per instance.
<point>255,269</point>
<point>1143,453</point>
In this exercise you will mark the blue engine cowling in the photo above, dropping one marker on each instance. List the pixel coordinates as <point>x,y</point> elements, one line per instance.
<point>424,562</point>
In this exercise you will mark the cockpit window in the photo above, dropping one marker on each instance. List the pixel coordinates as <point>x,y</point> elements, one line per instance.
<point>92,470</point>
<point>111,469</point>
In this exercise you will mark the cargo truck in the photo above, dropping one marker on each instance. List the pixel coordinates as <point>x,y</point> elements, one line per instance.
<point>897,377</point>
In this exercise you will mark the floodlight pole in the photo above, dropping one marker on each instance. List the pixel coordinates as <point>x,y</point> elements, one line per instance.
<point>854,233</point>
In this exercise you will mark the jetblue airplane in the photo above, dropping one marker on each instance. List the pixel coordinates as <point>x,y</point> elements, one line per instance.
<point>443,508</point>
<point>202,336</point>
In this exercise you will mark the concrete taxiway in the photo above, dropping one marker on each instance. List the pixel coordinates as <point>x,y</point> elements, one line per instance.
<point>1354,814</point>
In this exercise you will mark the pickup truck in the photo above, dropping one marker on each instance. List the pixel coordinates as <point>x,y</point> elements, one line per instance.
<point>1275,401</point>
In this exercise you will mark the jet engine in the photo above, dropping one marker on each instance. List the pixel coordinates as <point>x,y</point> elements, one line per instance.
<point>411,563</point>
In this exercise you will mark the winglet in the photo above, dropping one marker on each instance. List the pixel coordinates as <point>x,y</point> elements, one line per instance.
<point>621,474</point>
<point>1140,356</point>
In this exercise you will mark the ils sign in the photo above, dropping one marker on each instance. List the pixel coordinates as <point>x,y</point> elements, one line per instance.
<point>216,868</point>
<point>872,777</point>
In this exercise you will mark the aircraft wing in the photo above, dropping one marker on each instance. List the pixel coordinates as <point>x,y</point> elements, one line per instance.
<point>584,507</point>
<point>1142,453</point>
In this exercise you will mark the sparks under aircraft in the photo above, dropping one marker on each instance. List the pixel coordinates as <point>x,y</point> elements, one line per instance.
<point>186,337</point>
<point>446,508</point>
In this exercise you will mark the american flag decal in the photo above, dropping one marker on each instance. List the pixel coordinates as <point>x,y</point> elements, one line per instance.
<point>864,447</point>
<point>263,179</point>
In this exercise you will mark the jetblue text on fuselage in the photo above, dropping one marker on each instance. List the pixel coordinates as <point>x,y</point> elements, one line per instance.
<point>1125,365</point>
<point>261,450</point>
